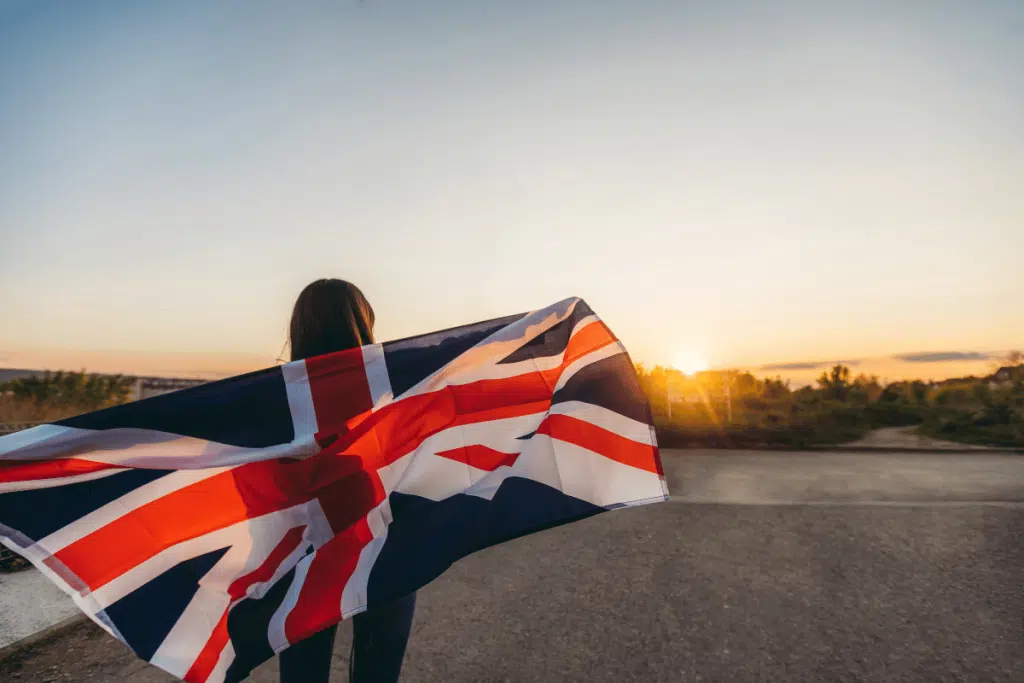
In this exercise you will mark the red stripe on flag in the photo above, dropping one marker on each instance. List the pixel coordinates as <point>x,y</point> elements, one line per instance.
<point>266,570</point>
<point>242,493</point>
<point>339,387</point>
<point>224,499</point>
<point>131,539</point>
<point>210,654</point>
<point>508,392</point>
<point>480,457</point>
<point>28,470</point>
<point>401,427</point>
<point>601,441</point>
<point>346,501</point>
<point>319,602</point>
<point>594,336</point>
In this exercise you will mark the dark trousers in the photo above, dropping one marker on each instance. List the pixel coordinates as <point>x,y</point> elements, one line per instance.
<point>379,637</point>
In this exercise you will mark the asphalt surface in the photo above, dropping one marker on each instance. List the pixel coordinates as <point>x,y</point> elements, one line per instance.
<point>773,478</point>
<point>29,602</point>
<point>844,568</point>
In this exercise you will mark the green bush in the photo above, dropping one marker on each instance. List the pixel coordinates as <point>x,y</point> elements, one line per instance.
<point>884,414</point>
<point>55,395</point>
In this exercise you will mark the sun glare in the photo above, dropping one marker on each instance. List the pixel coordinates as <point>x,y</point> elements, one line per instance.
<point>691,363</point>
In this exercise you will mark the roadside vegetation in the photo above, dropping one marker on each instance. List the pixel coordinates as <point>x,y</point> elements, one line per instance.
<point>722,409</point>
<point>57,395</point>
<point>735,409</point>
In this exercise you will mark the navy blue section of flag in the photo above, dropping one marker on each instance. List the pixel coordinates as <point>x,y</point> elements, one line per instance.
<point>409,361</point>
<point>249,411</point>
<point>37,513</point>
<point>427,536</point>
<point>146,615</point>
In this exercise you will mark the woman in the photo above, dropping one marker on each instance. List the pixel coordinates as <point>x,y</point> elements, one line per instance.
<point>332,315</point>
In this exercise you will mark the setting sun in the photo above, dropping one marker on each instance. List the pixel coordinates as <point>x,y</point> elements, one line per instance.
<point>690,363</point>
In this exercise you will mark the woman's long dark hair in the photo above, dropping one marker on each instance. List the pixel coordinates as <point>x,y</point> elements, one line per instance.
<point>329,315</point>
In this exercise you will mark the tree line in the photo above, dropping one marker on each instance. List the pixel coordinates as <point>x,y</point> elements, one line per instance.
<point>728,408</point>
<point>734,408</point>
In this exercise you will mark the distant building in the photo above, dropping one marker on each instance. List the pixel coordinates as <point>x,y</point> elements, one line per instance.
<point>11,374</point>
<point>147,387</point>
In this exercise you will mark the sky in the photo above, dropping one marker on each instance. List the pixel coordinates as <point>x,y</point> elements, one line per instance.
<point>772,185</point>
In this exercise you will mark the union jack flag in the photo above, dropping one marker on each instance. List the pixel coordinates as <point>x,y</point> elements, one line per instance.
<point>212,527</point>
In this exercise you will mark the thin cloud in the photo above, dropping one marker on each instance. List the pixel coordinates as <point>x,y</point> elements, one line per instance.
<point>942,356</point>
<point>792,366</point>
<point>808,365</point>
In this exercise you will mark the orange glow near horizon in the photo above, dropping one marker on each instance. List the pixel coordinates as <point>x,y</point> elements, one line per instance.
<point>215,365</point>
<point>690,363</point>
<point>184,365</point>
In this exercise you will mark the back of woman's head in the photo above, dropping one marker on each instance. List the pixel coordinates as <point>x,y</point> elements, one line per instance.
<point>330,315</point>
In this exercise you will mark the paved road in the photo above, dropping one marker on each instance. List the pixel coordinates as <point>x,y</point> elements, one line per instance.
<point>29,602</point>
<point>851,568</point>
<point>754,477</point>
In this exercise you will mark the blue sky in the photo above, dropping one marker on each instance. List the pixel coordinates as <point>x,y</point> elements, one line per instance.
<point>752,184</point>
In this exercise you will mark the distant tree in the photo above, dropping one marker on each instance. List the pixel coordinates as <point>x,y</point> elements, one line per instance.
<point>78,390</point>
<point>835,384</point>
<point>805,395</point>
<point>865,389</point>
<point>775,388</point>
<point>745,383</point>
<point>919,391</point>
<point>955,393</point>
<point>892,393</point>
<point>982,393</point>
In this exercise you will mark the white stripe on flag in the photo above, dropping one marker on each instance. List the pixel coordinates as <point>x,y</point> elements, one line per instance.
<point>354,595</point>
<point>499,345</point>
<point>50,441</point>
<point>584,474</point>
<point>423,473</point>
<point>300,404</point>
<point>150,449</point>
<point>608,351</point>
<point>572,469</point>
<point>220,671</point>
<point>276,634</point>
<point>377,375</point>
<point>51,482</point>
<point>189,635</point>
<point>606,419</point>
<point>495,370</point>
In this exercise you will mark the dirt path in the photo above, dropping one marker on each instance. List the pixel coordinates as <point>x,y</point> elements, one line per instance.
<point>907,437</point>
